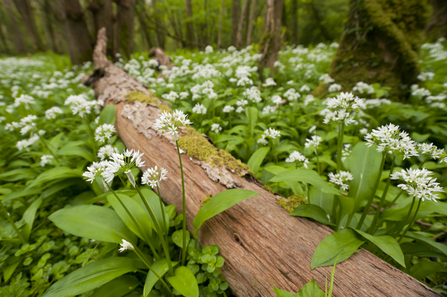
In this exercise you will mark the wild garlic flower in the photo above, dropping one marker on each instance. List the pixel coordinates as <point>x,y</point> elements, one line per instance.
<point>45,159</point>
<point>425,76</point>
<point>25,143</point>
<point>419,92</point>
<point>346,152</point>
<point>253,94</point>
<point>269,82</point>
<point>272,133</point>
<point>228,109</point>
<point>334,88</point>
<point>80,106</point>
<point>242,102</point>
<point>172,96</point>
<point>216,128</point>
<point>389,139</point>
<point>292,95</point>
<point>309,99</point>
<point>341,179</point>
<point>184,95</point>
<point>363,88</point>
<point>244,81</point>
<point>52,112</point>
<point>418,184</point>
<point>199,109</point>
<point>171,122</point>
<point>268,109</point>
<point>325,78</point>
<point>240,109</point>
<point>153,176</point>
<point>104,132</point>
<point>304,89</point>
<point>122,163</point>
<point>297,158</point>
<point>95,170</point>
<point>313,142</point>
<point>26,100</point>
<point>339,109</point>
<point>277,99</point>
<point>106,151</point>
<point>125,246</point>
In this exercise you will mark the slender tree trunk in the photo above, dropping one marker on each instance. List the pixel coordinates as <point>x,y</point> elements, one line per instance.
<point>319,21</point>
<point>236,9</point>
<point>437,26</point>
<point>3,39</point>
<point>294,22</point>
<point>189,24</point>
<point>242,22</point>
<point>271,39</point>
<point>219,29</point>
<point>158,25</point>
<point>251,20</point>
<point>141,12</point>
<point>14,29</point>
<point>124,19</point>
<point>48,21</point>
<point>25,10</point>
<point>103,17</point>
<point>177,29</point>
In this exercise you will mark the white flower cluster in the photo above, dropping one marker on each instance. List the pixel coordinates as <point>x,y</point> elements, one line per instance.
<point>25,125</point>
<point>277,100</point>
<point>429,150</point>
<point>326,79</point>
<point>334,88</point>
<point>216,128</point>
<point>79,105</point>
<point>374,103</point>
<point>104,132</point>
<point>418,184</point>
<point>253,94</point>
<point>296,157</point>
<point>419,92</point>
<point>304,89</point>
<point>153,176</point>
<point>313,142</point>
<point>425,76</point>
<point>172,96</point>
<point>339,109</point>
<point>268,109</point>
<point>363,88</point>
<point>199,109</point>
<point>389,139</point>
<point>52,112</point>
<point>208,49</point>
<point>205,89</point>
<point>292,95</point>
<point>341,179</point>
<point>228,109</point>
<point>125,246</point>
<point>106,152</point>
<point>45,159</point>
<point>269,133</point>
<point>269,82</point>
<point>171,122</point>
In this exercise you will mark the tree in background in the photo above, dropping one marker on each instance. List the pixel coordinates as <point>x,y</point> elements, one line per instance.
<point>437,26</point>
<point>102,12</point>
<point>24,8</point>
<point>124,28</point>
<point>271,39</point>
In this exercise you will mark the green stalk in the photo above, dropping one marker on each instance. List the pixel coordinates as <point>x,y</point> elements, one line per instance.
<point>318,161</point>
<point>13,224</point>
<point>162,211</point>
<point>159,231</point>
<point>279,115</point>
<point>373,193</point>
<point>391,204</point>
<point>382,200</point>
<point>136,224</point>
<point>92,139</point>
<point>139,254</point>
<point>410,223</point>
<point>47,147</point>
<point>341,129</point>
<point>184,205</point>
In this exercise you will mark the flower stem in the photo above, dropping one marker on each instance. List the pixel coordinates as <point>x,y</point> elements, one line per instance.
<point>92,138</point>
<point>163,212</point>
<point>184,205</point>
<point>341,129</point>
<point>13,224</point>
<point>382,200</point>
<point>159,231</point>
<point>318,161</point>
<point>412,220</point>
<point>373,193</point>
<point>44,142</point>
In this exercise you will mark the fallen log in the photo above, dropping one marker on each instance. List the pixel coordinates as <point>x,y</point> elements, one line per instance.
<point>261,243</point>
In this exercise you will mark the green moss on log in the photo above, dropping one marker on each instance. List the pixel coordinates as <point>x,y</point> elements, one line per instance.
<point>292,202</point>
<point>145,98</point>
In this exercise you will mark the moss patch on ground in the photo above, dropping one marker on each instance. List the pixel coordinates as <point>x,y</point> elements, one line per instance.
<point>292,202</point>
<point>148,99</point>
<point>196,146</point>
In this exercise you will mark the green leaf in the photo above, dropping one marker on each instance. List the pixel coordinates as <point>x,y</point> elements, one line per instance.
<point>219,203</point>
<point>313,212</point>
<point>160,267</point>
<point>107,115</point>
<point>177,237</point>
<point>426,208</point>
<point>282,293</point>
<point>94,222</point>
<point>185,282</point>
<point>76,151</point>
<point>306,176</point>
<point>29,216</point>
<point>8,271</point>
<point>437,245</point>
<point>91,276</point>
<point>154,202</point>
<point>252,115</point>
<point>387,244</point>
<point>311,289</point>
<point>143,227</point>
<point>118,287</point>
<point>425,268</point>
<point>257,158</point>
<point>55,174</point>
<point>23,193</point>
<point>341,244</point>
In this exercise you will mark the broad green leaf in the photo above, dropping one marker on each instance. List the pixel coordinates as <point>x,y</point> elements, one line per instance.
<point>323,200</point>
<point>76,151</point>
<point>91,276</point>
<point>23,193</point>
<point>426,208</point>
<point>437,245</point>
<point>282,293</point>
<point>140,225</point>
<point>60,186</point>
<point>107,115</point>
<point>425,268</point>
<point>257,158</point>
<point>118,287</point>
<point>252,116</point>
<point>185,282</point>
<point>8,271</point>
<point>306,176</point>
<point>387,244</point>
<point>18,174</point>
<point>55,174</point>
<point>177,237</point>
<point>160,267</point>
<point>29,216</point>
<point>341,244</point>
<point>313,212</point>
<point>219,203</point>
<point>94,222</point>
<point>311,289</point>
<point>154,202</point>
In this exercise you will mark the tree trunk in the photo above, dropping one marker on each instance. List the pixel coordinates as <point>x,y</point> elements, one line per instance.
<point>25,10</point>
<point>124,19</point>
<point>319,21</point>
<point>189,24</point>
<point>47,20</point>
<point>271,40</point>
<point>219,29</point>
<point>251,20</point>
<point>103,17</point>
<point>236,9</point>
<point>437,27</point>
<point>141,11</point>
<point>158,25</point>
<point>77,36</point>
<point>294,22</point>
<point>380,45</point>
<point>14,29</point>
<point>242,23</point>
<point>261,243</point>
<point>3,39</point>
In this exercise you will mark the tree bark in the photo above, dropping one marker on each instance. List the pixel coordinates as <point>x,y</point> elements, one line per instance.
<point>380,45</point>
<point>236,9</point>
<point>271,40</point>
<point>4,41</point>
<point>47,20</point>
<point>242,22</point>
<point>124,19</point>
<point>318,20</point>
<point>103,17</point>
<point>14,30</point>
<point>261,243</point>
<point>158,25</point>
<point>189,24</point>
<point>437,26</point>
<point>141,11</point>
<point>25,10</point>
<point>251,20</point>
<point>294,22</point>
<point>219,29</point>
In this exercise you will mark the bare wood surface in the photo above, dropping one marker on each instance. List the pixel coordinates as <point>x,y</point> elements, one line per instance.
<point>159,55</point>
<point>260,242</point>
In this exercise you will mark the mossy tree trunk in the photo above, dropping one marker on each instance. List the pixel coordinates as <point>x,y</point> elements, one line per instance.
<point>271,39</point>
<point>103,17</point>
<point>437,26</point>
<point>380,45</point>
<point>26,12</point>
